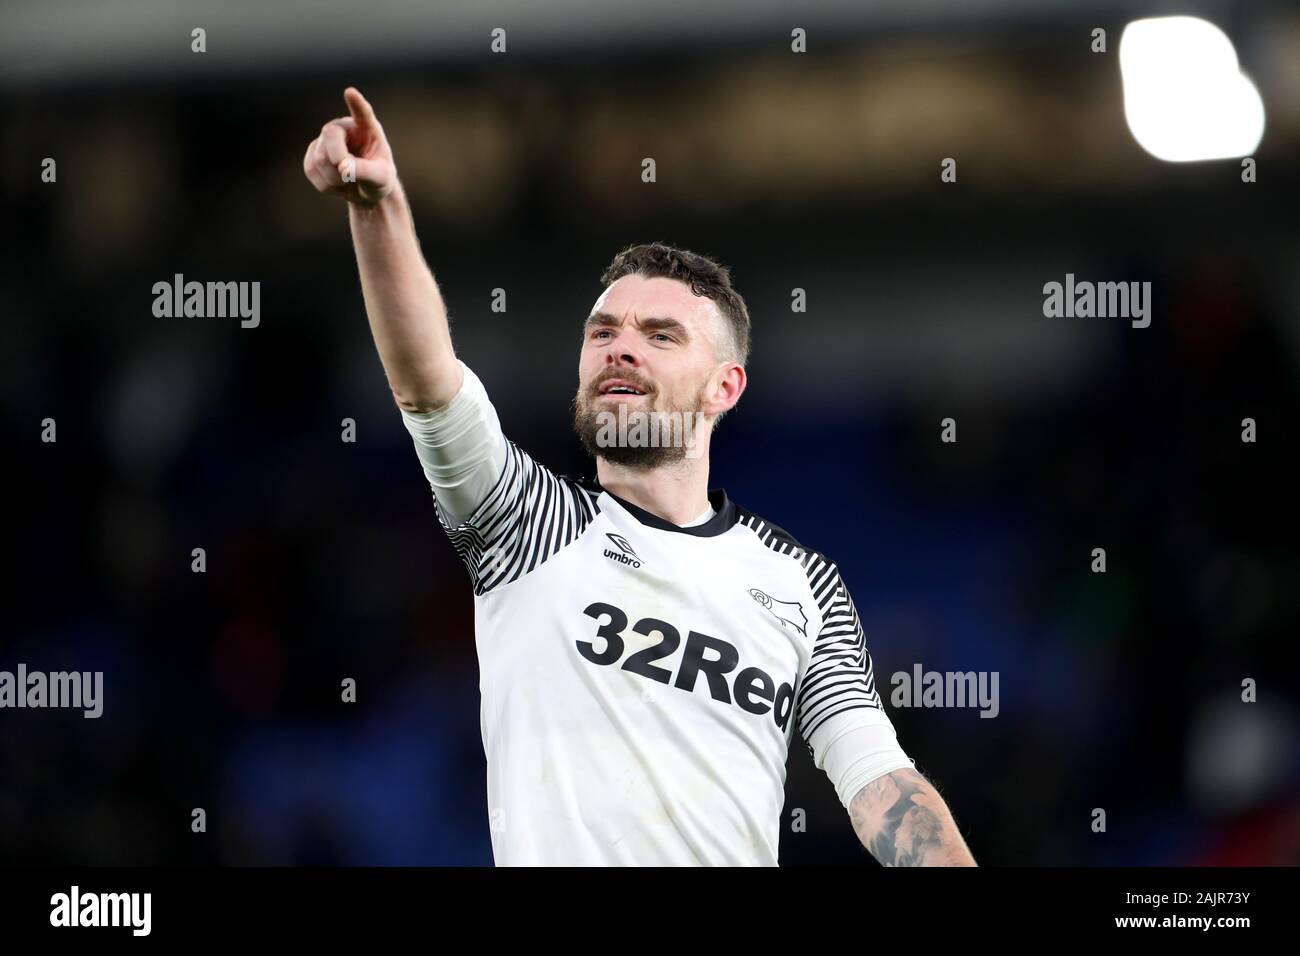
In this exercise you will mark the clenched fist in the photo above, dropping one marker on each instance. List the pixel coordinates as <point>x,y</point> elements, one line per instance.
<point>351,157</point>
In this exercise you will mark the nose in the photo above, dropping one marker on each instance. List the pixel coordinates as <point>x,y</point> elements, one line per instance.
<point>620,351</point>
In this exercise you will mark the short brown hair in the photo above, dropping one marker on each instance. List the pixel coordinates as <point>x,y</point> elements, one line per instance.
<point>704,276</point>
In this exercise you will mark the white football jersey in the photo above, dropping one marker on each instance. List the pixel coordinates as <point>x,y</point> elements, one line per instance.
<point>642,682</point>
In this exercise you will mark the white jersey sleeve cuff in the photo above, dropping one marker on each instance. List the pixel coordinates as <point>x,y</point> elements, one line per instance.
<point>859,756</point>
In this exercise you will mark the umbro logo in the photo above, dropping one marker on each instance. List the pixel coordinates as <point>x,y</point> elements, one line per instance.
<point>624,554</point>
<point>789,613</point>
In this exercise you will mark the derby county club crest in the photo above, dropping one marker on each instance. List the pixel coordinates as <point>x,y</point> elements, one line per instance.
<point>789,613</point>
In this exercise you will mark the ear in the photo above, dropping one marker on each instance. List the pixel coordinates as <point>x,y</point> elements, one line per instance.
<point>727,390</point>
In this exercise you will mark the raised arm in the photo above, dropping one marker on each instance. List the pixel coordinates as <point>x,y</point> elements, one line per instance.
<point>351,158</point>
<point>903,821</point>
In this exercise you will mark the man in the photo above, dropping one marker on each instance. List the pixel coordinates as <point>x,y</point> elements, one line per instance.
<point>647,647</point>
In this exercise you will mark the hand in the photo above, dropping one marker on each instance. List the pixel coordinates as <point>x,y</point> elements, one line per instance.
<point>351,157</point>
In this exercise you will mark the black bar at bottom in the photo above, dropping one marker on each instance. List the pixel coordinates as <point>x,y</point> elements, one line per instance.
<point>328,906</point>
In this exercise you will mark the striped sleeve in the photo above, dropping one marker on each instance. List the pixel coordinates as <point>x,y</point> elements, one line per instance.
<point>525,518</point>
<point>838,691</point>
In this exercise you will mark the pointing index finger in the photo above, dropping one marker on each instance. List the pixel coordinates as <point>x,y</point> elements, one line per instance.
<point>361,110</point>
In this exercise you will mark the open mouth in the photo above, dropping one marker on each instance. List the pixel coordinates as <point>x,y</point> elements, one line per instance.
<point>617,386</point>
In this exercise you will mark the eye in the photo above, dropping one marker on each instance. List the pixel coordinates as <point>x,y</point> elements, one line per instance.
<point>662,335</point>
<point>599,332</point>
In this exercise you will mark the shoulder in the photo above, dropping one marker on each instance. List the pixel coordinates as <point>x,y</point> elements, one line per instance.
<point>777,538</point>
<point>770,533</point>
<point>535,472</point>
<point>822,573</point>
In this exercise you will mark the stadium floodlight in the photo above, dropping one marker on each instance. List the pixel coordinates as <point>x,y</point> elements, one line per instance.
<point>1185,97</point>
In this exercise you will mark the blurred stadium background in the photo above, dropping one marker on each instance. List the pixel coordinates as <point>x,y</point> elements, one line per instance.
<point>818,171</point>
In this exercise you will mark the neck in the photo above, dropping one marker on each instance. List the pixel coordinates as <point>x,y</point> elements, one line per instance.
<point>678,493</point>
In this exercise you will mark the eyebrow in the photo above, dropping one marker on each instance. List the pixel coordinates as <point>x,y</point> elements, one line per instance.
<point>648,324</point>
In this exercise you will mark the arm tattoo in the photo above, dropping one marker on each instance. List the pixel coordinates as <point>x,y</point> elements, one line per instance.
<point>903,821</point>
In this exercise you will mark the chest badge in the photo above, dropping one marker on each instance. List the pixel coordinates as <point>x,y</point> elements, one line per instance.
<point>789,613</point>
<point>624,554</point>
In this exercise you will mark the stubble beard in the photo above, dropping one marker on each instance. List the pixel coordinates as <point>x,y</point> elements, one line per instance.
<point>589,424</point>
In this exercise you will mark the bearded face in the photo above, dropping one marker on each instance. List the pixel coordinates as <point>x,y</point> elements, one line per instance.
<point>627,420</point>
<point>650,349</point>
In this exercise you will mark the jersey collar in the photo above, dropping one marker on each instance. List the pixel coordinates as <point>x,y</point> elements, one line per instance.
<point>722,520</point>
